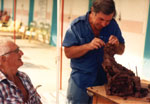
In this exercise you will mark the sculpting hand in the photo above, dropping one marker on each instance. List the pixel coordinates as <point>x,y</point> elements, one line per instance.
<point>113,40</point>
<point>96,43</point>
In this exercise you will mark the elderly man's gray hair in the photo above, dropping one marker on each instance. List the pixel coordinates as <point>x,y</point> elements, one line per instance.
<point>3,48</point>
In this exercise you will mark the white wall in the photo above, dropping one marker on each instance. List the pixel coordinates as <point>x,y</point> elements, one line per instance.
<point>134,15</point>
<point>73,9</point>
<point>8,5</point>
<point>22,11</point>
<point>43,11</point>
<point>133,23</point>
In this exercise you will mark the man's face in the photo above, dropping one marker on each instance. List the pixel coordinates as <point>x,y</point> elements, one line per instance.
<point>100,20</point>
<point>13,57</point>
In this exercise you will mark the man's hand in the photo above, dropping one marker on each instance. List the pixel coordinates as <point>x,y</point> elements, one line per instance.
<point>113,40</point>
<point>78,51</point>
<point>119,46</point>
<point>96,43</point>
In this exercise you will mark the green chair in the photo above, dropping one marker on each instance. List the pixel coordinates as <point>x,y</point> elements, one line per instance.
<point>31,31</point>
<point>39,31</point>
<point>46,33</point>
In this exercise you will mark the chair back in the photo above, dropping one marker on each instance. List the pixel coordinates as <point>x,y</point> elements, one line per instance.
<point>47,27</point>
<point>33,26</point>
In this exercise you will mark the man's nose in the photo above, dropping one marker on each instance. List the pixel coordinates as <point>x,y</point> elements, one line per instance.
<point>104,23</point>
<point>20,52</point>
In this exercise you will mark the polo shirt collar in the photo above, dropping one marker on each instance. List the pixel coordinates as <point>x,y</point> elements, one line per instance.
<point>88,23</point>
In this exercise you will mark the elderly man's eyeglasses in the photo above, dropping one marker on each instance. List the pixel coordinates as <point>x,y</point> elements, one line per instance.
<point>14,51</point>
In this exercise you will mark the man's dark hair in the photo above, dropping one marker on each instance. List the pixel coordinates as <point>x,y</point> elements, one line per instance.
<point>105,6</point>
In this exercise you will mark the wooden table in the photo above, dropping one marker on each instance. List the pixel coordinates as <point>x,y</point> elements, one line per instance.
<point>100,97</point>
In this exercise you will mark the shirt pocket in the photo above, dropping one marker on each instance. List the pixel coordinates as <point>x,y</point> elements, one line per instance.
<point>81,40</point>
<point>84,40</point>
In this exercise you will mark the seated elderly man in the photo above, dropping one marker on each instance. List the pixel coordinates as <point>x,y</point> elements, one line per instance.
<point>15,86</point>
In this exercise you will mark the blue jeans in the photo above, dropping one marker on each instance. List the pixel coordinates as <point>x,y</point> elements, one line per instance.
<point>76,95</point>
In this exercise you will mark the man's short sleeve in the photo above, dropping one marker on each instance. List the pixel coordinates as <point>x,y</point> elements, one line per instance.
<point>70,38</point>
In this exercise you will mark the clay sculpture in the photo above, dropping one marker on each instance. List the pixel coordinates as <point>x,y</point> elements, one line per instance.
<point>121,81</point>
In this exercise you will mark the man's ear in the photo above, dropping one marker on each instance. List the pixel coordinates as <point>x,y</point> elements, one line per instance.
<point>2,59</point>
<point>92,10</point>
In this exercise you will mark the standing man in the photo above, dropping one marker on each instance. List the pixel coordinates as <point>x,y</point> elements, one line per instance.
<point>83,44</point>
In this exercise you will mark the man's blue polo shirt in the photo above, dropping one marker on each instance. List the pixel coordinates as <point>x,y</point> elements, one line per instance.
<point>87,70</point>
